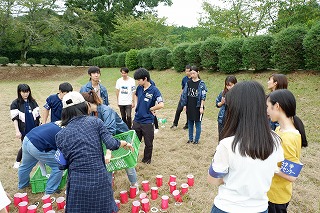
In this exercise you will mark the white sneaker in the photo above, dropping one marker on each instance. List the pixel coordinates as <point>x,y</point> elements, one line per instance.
<point>16,165</point>
<point>137,186</point>
<point>156,131</point>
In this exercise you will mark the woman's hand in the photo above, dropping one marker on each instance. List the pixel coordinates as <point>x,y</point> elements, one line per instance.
<point>18,134</point>
<point>127,145</point>
<point>201,110</point>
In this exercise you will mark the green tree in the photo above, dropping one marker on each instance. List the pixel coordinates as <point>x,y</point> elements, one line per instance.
<point>311,44</point>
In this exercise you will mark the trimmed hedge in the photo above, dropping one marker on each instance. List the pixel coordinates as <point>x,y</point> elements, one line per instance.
<point>113,59</point>
<point>44,61</point>
<point>193,54</point>
<point>288,50</point>
<point>230,58</point>
<point>209,52</point>
<point>159,58</point>
<point>256,52</point>
<point>146,60</point>
<point>76,62</point>
<point>169,60</point>
<point>55,61</point>
<point>178,57</point>
<point>4,61</point>
<point>131,59</point>
<point>311,44</point>
<point>31,61</point>
<point>121,60</point>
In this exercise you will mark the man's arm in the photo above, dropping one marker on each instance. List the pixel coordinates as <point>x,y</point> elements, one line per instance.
<point>45,115</point>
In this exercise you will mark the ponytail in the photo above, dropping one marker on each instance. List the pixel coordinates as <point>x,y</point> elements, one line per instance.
<point>298,124</point>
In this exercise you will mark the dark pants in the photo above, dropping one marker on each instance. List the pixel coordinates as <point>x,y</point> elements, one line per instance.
<point>125,111</point>
<point>156,123</point>
<point>19,155</point>
<point>217,210</point>
<point>277,208</point>
<point>220,128</point>
<point>177,115</point>
<point>145,130</point>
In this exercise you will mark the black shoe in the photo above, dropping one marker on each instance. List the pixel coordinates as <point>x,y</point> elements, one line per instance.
<point>196,142</point>
<point>173,126</point>
<point>185,127</point>
<point>189,141</point>
<point>146,161</point>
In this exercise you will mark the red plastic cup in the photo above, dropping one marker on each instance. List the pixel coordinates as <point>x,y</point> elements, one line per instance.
<point>23,207</point>
<point>145,185</point>
<point>164,202</point>
<point>184,188</point>
<point>154,193</point>
<point>61,202</point>
<point>190,180</point>
<point>24,197</point>
<point>133,192</point>
<point>46,207</point>
<point>117,203</point>
<point>32,209</point>
<point>172,178</point>
<point>159,180</point>
<point>16,199</point>
<point>143,195</point>
<point>46,199</point>
<point>177,196</point>
<point>145,205</point>
<point>123,197</point>
<point>173,186</point>
<point>135,207</point>
<point>8,209</point>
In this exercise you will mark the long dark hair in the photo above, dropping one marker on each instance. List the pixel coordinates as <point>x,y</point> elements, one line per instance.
<point>287,102</point>
<point>229,79</point>
<point>247,120</point>
<point>92,97</point>
<point>281,79</point>
<point>24,88</point>
<point>73,111</point>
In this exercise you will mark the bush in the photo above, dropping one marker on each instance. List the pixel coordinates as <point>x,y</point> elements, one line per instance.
<point>4,61</point>
<point>131,59</point>
<point>287,49</point>
<point>55,62</point>
<point>178,57</point>
<point>31,61</point>
<point>169,60</point>
<point>256,52</point>
<point>193,54</point>
<point>44,61</point>
<point>105,60</point>
<point>76,62</point>
<point>18,62</point>
<point>230,59</point>
<point>121,60</point>
<point>146,60</point>
<point>159,58</point>
<point>311,44</point>
<point>209,52</point>
<point>84,63</point>
<point>112,59</point>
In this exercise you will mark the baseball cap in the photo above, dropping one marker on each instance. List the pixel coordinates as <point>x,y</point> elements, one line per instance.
<point>72,98</point>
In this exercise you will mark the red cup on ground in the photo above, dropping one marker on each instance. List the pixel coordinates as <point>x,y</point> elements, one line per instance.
<point>16,199</point>
<point>173,186</point>
<point>164,202</point>
<point>61,202</point>
<point>133,192</point>
<point>184,188</point>
<point>145,185</point>
<point>145,205</point>
<point>46,199</point>
<point>154,193</point>
<point>124,197</point>
<point>190,180</point>
<point>172,178</point>
<point>177,196</point>
<point>51,211</point>
<point>32,209</point>
<point>135,207</point>
<point>117,203</point>
<point>24,197</point>
<point>23,207</point>
<point>46,207</point>
<point>159,180</point>
<point>143,195</point>
<point>8,209</point>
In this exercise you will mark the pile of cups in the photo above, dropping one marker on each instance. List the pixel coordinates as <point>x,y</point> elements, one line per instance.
<point>21,201</point>
<point>143,204</point>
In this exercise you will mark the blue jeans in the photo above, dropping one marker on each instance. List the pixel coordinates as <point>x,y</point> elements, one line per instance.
<point>30,157</point>
<point>198,130</point>
<point>217,210</point>
<point>132,175</point>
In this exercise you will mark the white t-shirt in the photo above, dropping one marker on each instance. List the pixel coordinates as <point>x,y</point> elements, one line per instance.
<point>126,88</point>
<point>248,180</point>
<point>4,200</point>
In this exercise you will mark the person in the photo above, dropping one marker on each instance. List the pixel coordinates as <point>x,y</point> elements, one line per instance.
<point>192,99</point>
<point>185,79</point>
<point>281,106</point>
<point>146,97</point>
<point>229,82</point>
<point>94,84</point>
<point>25,114</point>
<point>246,158</point>
<point>277,81</point>
<point>89,187</point>
<point>39,145</point>
<point>54,103</point>
<point>4,200</point>
<point>125,91</point>
<point>112,121</point>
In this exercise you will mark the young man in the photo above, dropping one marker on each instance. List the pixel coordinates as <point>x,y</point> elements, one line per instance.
<point>126,88</point>
<point>54,103</point>
<point>94,84</point>
<point>185,79</point>
<point>146,97</point>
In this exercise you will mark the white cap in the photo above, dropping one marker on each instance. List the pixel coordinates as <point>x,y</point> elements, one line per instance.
<point>72,98</point>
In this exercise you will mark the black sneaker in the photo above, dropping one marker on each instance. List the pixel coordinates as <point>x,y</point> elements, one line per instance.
<point>173,126</point>
<point>189,141</point>
<point>146,161</point>
<point>185,127</point>
<point>196,142</point>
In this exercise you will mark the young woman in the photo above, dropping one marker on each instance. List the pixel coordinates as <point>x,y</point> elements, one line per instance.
<point>25,115</point>
<point>89,187</point>
<point>282,108</point>
<point>246,158</point>
<point>220,101</point>
<point>193,98</point>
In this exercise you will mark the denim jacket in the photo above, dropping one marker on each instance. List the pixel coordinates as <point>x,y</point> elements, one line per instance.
<point>103,91</point>
<point>202,93</point>
<point>222,109</point>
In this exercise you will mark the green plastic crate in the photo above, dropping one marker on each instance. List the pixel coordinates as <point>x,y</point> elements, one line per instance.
<point>39,182</point>
<point>123,158</point>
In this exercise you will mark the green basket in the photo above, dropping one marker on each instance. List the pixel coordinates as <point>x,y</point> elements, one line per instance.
<point>123,158</point>
<point>39,182</point>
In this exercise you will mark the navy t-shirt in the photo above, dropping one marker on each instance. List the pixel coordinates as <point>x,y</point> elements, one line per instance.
<point>54,103</point>
<point>146,99</point>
